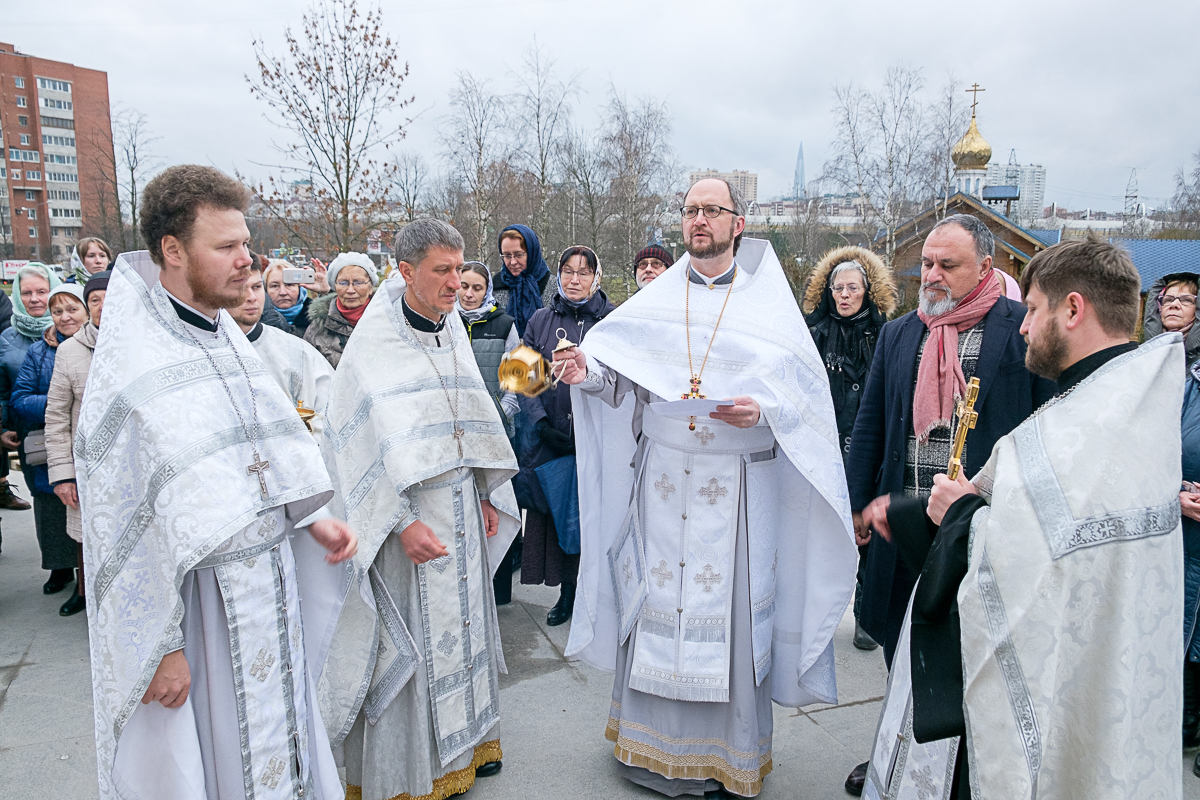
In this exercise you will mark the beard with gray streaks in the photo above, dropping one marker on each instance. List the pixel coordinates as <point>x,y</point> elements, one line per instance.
<point>935,300</point>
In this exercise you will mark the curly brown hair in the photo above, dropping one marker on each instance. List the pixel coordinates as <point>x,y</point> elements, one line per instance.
<point>172,199</point>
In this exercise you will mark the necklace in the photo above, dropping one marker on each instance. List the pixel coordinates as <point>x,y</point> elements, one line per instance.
<point>259,466</point>
<point>694,394</point>
<point>451,401</point>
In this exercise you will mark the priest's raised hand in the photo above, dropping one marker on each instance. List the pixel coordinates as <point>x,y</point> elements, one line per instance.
<point>570,366</point>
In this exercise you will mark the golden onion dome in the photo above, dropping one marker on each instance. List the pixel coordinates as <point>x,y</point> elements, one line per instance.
<point>972,150</point>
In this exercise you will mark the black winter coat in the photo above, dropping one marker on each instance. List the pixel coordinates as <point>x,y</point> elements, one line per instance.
<point>554,405</point>
<point>846,347</point>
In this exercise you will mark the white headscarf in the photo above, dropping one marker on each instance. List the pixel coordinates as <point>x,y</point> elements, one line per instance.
<point>489,302</point>
<point>595,287</point>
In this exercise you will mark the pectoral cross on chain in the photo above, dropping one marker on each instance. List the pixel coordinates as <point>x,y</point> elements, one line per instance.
<point>258,468</point>
<point>459,433</point>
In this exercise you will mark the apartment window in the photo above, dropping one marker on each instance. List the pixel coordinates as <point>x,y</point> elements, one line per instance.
<point>53,85</point>
<point>25,138</point>
<point>19,82</point>
<point>59,194</point>
<point>30,195</point>
<point>23,122</point>
<point>48,102</point>
<point>33,233</point>
<point>62,177</point>
<point>57,159</point>
<point>57,122</point>
<point>22,102</point>
<point>3,172</point>
<point>16,175</point>
<point>32,213</point>
<point>33,174</point>
<point>60,141</point>
<point>69,213</point>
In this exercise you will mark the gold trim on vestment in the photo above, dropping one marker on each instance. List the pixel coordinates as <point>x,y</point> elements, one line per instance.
<point>450,784</point>
<point>693,766</point>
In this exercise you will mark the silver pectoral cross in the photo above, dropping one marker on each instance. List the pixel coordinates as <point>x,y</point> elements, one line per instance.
<point>258,468</point>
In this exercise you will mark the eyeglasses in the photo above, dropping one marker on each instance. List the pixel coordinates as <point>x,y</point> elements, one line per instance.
<point>1184,300</point>
<point>712,212</point>
<point>568,274</point>
<point>512,256</point>
<point>852,288</point>
<point>355,284</point>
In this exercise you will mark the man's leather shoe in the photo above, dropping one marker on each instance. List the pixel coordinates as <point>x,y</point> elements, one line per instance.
<point>862,639</point>
<point>9,499</point>
<point>489,769</point>
<point>858,777</point>
<point>74,605</point>
<point>562,609</point>
<point>55,585</point>
<point>1196,766</point>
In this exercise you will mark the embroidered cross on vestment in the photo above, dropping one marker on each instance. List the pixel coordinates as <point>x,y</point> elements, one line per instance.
<point>662,574</point>
<point>273,772</point>
<point>708,578</point>
<point>713,492</point>
<point>665,487</point>
<point>262,664</point>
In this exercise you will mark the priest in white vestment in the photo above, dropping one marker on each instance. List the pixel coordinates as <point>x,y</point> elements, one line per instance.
<point>196,479</point>
<point>298,367</point>
<point>1041,656</point>
<point>411,687</point>
<point>719,588</point>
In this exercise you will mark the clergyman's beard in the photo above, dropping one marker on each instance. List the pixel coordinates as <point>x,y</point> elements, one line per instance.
<point>1047,354</point>
<point>210,296</point>
<point>716,247</point>
<point>935,308</point>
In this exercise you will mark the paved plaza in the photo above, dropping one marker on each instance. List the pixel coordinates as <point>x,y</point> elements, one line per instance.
<point>553,709</point>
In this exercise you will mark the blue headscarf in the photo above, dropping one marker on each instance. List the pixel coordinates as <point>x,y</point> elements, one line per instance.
<point>524,294</point>
<point>290,314</point>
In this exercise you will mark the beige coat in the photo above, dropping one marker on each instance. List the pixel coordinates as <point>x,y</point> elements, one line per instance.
<point>63,401</point>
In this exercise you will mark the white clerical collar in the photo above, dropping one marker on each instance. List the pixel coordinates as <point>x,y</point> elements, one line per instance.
<point>724,278</point>
<point>212,321</point>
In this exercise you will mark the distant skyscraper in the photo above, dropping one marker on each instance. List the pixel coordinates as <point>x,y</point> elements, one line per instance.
<point>799,187</point>
<point>1030,178</point>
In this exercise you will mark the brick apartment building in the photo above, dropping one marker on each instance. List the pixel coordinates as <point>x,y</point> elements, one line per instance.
<point>58,155</point>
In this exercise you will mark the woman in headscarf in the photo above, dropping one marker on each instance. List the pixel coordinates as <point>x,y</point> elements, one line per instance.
<point>67,314</point>
<point>89,257</point>
<point>848,298</point>
<point>579,304</point>
<point>492,333</point>
<point>333,317</point>
<point>30,319</point>
<point>524,274</point>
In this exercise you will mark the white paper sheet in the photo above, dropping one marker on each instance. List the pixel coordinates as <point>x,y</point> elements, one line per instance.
<point>682,409</point>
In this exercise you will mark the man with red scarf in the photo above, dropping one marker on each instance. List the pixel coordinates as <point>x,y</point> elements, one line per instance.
<point>963,327</point>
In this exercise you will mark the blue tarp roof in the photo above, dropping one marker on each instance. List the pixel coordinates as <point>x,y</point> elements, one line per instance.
<point>1155,258</point>
<point>1047,237</point>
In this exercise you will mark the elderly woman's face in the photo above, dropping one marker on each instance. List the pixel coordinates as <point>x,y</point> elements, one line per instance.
<point>283,295</point>
<point>848,292</point>
<point>474,289</point>
<point>576,277</point>
<point>1178,307</point>
<point>68,314</point>
<point>35,291</point>
<point>353,287</point>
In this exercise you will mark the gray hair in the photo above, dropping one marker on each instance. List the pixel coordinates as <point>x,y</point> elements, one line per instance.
<point>32,271</point>
<point>985,242</point>
<point>420,236</point>
<point>846,266</point>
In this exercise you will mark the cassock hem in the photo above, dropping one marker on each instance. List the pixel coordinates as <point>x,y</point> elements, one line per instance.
<point>691,766</point>
<point>450,784</point>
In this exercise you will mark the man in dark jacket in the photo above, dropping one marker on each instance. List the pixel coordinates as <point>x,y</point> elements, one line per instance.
<point>964,327</point>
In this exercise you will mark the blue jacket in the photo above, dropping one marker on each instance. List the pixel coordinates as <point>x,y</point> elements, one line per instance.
<point>12,354</point>
<point>1008,393</point>
<point>1191,528</point>
<point>29,402</point>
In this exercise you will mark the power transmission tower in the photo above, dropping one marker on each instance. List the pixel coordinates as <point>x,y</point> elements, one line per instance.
<point>1131,200</point>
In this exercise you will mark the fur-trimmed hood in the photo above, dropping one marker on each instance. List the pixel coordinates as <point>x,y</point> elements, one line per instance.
<point>882,284</point>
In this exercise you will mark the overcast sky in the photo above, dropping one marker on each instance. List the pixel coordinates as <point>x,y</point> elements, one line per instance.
<point>1088,90</point>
